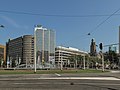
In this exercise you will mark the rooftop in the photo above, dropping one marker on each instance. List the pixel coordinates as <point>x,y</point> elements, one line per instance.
<point>72,49</point>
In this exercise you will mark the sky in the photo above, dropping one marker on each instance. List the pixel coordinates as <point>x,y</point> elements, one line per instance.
<point>70,19</point>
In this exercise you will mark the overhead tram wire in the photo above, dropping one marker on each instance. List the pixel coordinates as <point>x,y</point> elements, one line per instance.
<point>66,16</point>
<point>114,13</point>
<point>55,15</point>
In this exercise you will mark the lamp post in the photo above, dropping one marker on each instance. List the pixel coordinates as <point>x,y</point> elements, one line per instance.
<point>35,50</point>
<point>61,55</point>
<point>84,62</point>
<point>2,26</point>
<point>102,56</point>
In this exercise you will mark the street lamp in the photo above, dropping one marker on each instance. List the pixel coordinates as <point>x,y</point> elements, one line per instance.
<point>89,34</point>
<point>2,26</point>
<point>84,62</point>
<point>35,50</point>
<point>102,56</point>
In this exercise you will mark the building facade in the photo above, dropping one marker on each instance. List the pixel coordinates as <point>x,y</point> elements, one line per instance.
<point>20,51</point>
<point>63,54</point>
<point>2,55</point>
<point>44,46</point>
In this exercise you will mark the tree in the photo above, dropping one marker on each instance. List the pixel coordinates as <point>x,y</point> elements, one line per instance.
<point>80,61</point>
<point>75,60</point>
<point>111,58</point>
<point>94,62</point>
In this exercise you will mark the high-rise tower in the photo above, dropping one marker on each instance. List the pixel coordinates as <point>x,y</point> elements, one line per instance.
<point>93,48</point>
<point>44,46</point>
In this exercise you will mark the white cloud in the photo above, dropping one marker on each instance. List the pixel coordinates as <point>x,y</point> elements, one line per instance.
<point>11,21</point>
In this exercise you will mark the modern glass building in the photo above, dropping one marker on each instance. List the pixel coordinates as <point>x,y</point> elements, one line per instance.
<point>44,47</point>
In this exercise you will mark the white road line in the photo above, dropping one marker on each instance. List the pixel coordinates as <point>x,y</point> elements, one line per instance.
<point>66,78</point>
<point>115,71</point>
<point>104,84</point>
<point>57,74</point>
<point>88,78</point>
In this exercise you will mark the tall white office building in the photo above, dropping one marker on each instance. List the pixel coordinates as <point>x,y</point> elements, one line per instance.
<point>44,47</point>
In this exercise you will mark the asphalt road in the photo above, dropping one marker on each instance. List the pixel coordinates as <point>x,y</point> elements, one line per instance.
<point>40,84</point>
<point>53,81</point>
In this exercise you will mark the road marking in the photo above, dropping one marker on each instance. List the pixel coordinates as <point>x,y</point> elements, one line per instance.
<point>88,78</point>
<point>65,78</point>
<point>115,71</point>
<point>57,74</point>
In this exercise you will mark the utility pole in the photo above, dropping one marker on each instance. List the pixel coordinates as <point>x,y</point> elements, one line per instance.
<point>84,62</point>
<point>103,62</point>
<point>35,50</point>
<point>75,62</point>
<point>26,62</point>
<point>59,59</point>
<point>49,50</point>
<point>102,56</point>
<point>43,51</point>
<point>61,64</point>
<point>61,68</point>
<point>87,63</point>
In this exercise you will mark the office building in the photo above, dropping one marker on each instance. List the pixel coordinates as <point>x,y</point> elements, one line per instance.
<point>20,51</point>
<point>44,46</point>
<point>93,48</point>
<point>2,55</point>
<point>63,54</point>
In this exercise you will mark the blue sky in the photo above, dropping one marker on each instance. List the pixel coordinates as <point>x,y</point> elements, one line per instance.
<point>70,31</point>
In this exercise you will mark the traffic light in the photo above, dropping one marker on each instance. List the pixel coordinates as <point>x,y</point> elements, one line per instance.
<point>100,46</point>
